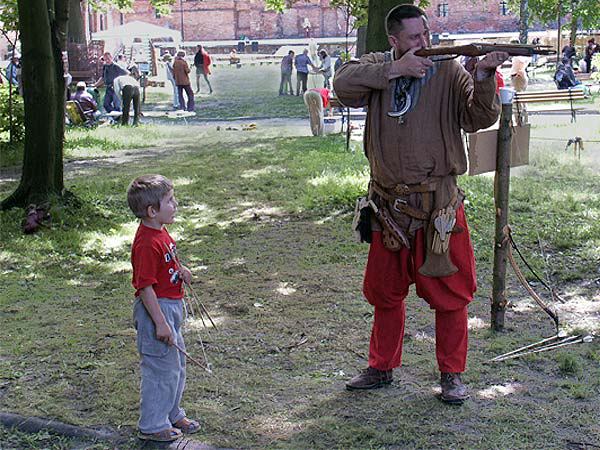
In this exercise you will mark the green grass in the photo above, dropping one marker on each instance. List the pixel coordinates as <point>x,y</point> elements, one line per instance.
<point>264,224</point>
<point>249,92</point>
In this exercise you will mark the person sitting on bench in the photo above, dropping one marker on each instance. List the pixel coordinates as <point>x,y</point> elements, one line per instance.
<point>565,76</point>
<point>86,101</point>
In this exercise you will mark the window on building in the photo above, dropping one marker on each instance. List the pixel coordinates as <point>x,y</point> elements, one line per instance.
<point>102,24</point>
<point>157,14</point>
<point>503,8</point>
<point>122,19</point>
<point>442,9</point>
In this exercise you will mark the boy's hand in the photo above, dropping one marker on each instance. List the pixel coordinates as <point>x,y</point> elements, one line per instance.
<point>186,274</point>
<point>163,333</point>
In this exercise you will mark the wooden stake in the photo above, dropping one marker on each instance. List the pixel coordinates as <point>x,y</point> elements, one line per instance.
<point>501,187</point>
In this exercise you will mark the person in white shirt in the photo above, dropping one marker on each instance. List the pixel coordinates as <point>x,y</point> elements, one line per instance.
<point>127,89</point>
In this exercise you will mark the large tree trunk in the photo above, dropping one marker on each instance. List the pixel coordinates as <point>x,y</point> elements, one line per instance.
<point>376,37</point>
<point>43,26</point>
<point>523,21</point>
<point>76,23</point>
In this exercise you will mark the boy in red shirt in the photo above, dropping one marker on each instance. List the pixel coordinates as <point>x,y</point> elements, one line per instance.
<point>158,311</point>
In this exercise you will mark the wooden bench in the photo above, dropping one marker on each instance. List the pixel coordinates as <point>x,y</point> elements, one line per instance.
<point>348,113</point>
<point>83,75</point>
<point>583,76</point>
<point>568,96</point>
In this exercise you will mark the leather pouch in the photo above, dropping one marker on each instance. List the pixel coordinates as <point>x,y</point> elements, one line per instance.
<point>361,223</point>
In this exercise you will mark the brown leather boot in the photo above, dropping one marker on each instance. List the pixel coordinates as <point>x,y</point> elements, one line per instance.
<point>370,378</point>
<point>454,391</point>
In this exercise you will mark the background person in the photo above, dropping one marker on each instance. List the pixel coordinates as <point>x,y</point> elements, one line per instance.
<point>416,111</point>
<point>569,51</point>
<point>287,64</point>
<point>325,68</point>
<point>233,57</point>
<point>181,71</point>
<point>302,62</point>
<point>564,76</point>
<point>317,100</point>
<point>110,71</point>
<point>202,64</point>
<point>12,71</point>
<point>86,100</point>
<point>168,59</point>
<point>128,90</point>
<point>590,49</point>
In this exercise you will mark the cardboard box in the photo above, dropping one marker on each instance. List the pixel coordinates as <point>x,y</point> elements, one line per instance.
<point>483,144</point>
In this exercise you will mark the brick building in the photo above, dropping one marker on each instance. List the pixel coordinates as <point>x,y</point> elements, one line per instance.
<point>209,20</point>
<point>467,16</point>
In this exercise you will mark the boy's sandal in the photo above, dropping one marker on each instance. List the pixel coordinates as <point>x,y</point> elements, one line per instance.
<point>169,435</point>
<point>187,426</point>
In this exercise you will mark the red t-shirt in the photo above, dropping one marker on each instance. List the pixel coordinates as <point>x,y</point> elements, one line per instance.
<point>153,265</point>
<point>499,81</point>
<point>324,95</point>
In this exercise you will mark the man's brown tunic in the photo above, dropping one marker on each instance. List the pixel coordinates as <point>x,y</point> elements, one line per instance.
<point>428,143</point>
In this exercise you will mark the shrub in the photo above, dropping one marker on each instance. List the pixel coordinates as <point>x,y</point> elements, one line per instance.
<point>18,116</point>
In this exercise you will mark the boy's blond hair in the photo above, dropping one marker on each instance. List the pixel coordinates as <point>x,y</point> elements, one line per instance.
<point>147,190</point>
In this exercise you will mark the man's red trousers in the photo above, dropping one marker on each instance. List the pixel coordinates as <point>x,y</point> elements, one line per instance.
<point>387,280</point>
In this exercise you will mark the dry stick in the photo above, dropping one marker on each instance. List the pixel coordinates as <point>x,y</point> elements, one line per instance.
<point>527,347</point>
<point>189,285</point>
<point>187,355</point>
<point>564,342</point>
<point>176,259</point>
<point>201,305</point>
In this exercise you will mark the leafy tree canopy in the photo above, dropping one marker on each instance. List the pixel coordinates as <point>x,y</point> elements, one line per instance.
<point>9,15</point>
<point>546,11</point>
<point>162,6</point>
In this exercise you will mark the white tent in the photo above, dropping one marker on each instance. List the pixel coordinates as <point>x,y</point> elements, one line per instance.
<point>125,34</point>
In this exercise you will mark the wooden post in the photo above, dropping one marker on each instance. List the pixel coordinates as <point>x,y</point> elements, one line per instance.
<point>501,188</point>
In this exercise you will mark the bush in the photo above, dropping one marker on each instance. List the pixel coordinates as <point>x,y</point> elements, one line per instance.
<point>18,116</point>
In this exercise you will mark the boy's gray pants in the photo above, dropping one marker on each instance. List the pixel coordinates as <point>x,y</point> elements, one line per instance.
<point>162,366</point>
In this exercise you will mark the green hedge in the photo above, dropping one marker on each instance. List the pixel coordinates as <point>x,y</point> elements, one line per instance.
<point>18,116</point>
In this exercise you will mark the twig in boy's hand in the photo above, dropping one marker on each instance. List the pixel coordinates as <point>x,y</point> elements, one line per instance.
<point>189,285</point>
<point>187,355</point>
<point>201,305</point>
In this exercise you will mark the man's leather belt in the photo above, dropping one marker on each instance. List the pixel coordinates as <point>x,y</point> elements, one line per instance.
<point>403,190</point>
<point>406,189</point>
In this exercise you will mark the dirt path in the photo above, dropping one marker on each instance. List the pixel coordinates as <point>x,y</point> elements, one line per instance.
<point>216,131</point>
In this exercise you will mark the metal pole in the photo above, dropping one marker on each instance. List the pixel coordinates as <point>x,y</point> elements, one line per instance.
<point>501,189</point>
<point>558,38</point>
<point>182,34</point>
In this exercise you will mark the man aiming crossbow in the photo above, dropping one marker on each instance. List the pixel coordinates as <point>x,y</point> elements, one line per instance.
<point>415,219</point>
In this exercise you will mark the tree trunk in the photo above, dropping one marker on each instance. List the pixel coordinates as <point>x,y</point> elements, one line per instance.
<point>377,40</point>
<point>361,41</point>
<point>43,26</point>
<point>574,20</point>
<point>523,21</point>
<point>76,25</point>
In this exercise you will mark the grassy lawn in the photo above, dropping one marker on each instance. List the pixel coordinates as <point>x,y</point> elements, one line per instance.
<point>264,224</point>
<point>248,92</point>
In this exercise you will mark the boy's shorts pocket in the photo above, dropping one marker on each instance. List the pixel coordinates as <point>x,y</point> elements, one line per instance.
<point>152,347</point>
<point>146,333</point>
